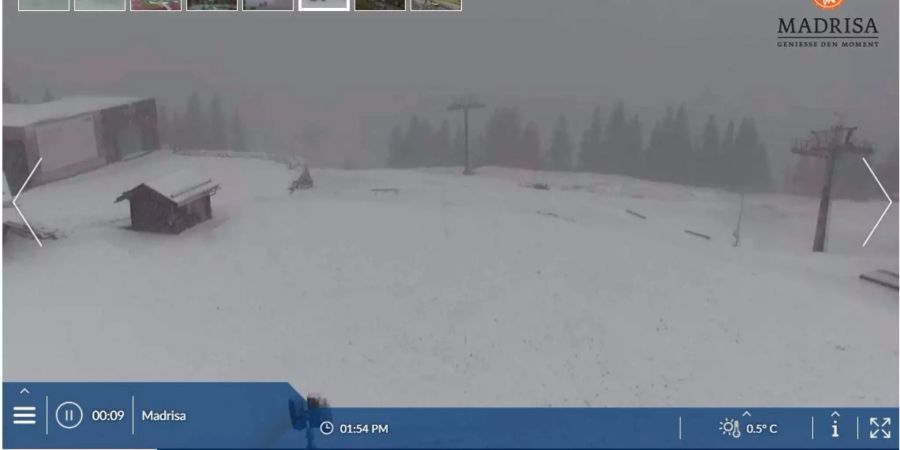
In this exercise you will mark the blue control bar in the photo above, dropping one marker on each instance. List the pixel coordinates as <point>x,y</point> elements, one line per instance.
<point>274,415</point>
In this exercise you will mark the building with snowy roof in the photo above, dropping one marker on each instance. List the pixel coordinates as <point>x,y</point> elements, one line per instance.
<point>74,135</point>
<point>171,204</point>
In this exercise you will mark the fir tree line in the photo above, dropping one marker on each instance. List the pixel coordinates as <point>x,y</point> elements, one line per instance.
<point>10,97</point>
<point>202,128</point>
<point>423,145</point>
<point>735,159</point>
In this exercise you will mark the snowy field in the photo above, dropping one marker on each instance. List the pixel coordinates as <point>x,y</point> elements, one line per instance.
<point>212,5</point>
<point>43,5</point>
<point>269,5</point>
<point>456,290</point>
<point>100,5</point>
<point>329,4</point>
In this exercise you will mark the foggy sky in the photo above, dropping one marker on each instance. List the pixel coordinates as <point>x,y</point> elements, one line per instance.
<point>353,73</point>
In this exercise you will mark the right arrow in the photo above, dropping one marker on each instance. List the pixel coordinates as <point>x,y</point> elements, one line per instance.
<point>888,197</point>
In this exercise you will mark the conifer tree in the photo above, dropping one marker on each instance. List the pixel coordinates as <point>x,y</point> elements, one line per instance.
<point>708,155</point>
<point>590,156</point>
<point>238,141</point>
<point>217,136</point>
<point>559,155</point>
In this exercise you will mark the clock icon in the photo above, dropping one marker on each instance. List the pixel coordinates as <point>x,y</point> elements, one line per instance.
<point>326,428</point>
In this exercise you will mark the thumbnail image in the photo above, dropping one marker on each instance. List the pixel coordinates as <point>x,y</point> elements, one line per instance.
<point>156,5</point>
<point>43,5</point>
<point>379,5</point>
<point>325,5</point>
<point>268,5</point>
<point>212,5</point>
<point>99,5</point>
<point>437,5</point>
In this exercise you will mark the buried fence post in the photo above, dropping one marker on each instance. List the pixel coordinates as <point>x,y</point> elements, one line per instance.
<point>635,214</point>
<point>699,235</point>
<point>737,229</point>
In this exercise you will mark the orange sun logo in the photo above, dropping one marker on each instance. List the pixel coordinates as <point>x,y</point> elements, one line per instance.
<point>828,4</point>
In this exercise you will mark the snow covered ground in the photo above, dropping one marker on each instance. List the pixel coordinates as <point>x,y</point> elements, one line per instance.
<point>269,5</point>
<point>456,290</point>
<point>43,5</point>
<point>325,4</point>
<point>214,5</point>
<point>100,5</point>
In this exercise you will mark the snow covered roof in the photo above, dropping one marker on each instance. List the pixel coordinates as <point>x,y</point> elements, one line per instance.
<point>22,115</point>
<point>181,187</point>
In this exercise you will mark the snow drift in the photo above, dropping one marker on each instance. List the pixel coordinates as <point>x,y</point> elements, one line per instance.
<point>457,290</point>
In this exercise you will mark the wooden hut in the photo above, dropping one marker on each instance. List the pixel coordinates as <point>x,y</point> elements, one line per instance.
<point>172,203</point>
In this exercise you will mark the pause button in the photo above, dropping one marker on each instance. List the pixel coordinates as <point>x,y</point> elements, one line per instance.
<point>69,415</point>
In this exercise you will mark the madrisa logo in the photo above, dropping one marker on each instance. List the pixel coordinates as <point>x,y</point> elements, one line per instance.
<point>828,4</point>
<point>829,31</point>
<point>831,26</point>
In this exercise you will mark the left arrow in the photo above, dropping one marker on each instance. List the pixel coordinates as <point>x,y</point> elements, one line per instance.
<point>16,198</point>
